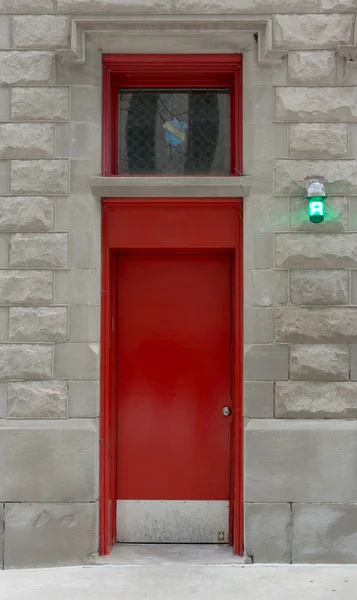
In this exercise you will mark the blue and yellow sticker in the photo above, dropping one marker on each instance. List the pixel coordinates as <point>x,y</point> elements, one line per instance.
<point>175,132</point>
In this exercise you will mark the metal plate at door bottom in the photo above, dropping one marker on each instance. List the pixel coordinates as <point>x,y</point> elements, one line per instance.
<point>173,521</point>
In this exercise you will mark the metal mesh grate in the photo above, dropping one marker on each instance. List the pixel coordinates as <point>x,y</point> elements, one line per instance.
<point>174,132</point>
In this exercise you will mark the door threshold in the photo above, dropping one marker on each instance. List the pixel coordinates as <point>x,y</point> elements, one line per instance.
<point>169,554</point>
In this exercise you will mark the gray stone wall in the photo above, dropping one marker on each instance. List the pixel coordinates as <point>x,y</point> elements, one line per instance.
<point>300,120</point>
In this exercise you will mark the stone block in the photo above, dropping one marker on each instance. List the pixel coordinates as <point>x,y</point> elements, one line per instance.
<point>309,67</point>
<point>325,533</point>
<point>268,532</point>
<point>316,104</point>
<point>4,177</point>
<point>77,286</point>
<point>312,31</point>
<point>85,250</point>
<point>81,171</point>
<point>25,361</point>
<point>84,323</point>
<point>4,250</point>
<point>31,529</point>
<point>258,249</point>
<point>79,213</point>
<point>258,399</point>
<point>26,287</point>
<point>353,351</point>
<point>291,176</point>
<point>316,325</point>
<point>265,140</point>
<point>300,460</point>
<point>39,176</point>
<point>5,32</point>
<point>4,324</point>
<point>40,103</point>
<point>258,325</point>
<point>86,100</point>
<point>27,6</point>
<point>336,216</point>
<point>38,324</point>
<point>2,405</point>
<point>77,140</point>
<point>266,213</point>
<point>113,6</point>
<point>266,362</point>
<point>317,140</point>
<point>76,361</point>
<point>258,104</point>
<point>44,250</point>
<point>4,104</point>
<point>269,288</point>
<point>37,399</point>
<point>319,287</point>
<point>87,74</point>
<point>338,5</point>
<point>26,213</point>
<point>244,6</point>
<point>83,399</point>
<point>315,400</point>
<point>26,140</point>
<point>313,250</point>
<point>17,67</point>
<point>49,461</point>
<point>43,31</point>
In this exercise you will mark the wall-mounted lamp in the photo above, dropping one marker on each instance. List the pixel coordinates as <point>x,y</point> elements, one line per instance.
<point>316,195</point>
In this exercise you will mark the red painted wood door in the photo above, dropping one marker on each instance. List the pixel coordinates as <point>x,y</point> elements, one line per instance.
<point>173,442</point>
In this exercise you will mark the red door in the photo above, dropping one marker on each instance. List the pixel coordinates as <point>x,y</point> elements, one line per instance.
<point>173,442</point>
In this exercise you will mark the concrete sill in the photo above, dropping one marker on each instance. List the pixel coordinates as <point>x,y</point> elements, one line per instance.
<point>171,187</point>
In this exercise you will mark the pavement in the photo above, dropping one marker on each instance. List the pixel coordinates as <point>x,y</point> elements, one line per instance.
<point>172,576</point>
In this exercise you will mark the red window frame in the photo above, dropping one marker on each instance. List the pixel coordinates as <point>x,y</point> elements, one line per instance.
<point>130,71</point>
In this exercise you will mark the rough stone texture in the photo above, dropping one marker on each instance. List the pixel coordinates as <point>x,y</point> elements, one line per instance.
<point>317,140</point>
<point>268,532</point>
<point>319,104</point>
<point>312,31</point>
<point>37,399</point>
<point>325,533</point>
<point>266,362</point>
<point>258,399</point>
<point>21,140</point>
<point>4,325</point>
<point>316,325</point>
<point>39,176</point>
<point>322,363</point>
<point>336,216</point>
<point>319,287</point>
<point>244,6</point>
<point>26,287</point>
<point>83,399</point>
<point>26,6</point>
<point>45,31</point>
<point>48,461</point>
<point>301,460</point>
<point>340,176</point>
<point>31,529</point>
<point>26,67</point>
<point>316,400</point>
<point>48,324</point>
<point>309,67</point>
<point>39,250</point>
<point>40,104</point>
<point>312,250</point>
<point>269,287</point>
<point>258,325</point>
<point>26,213</point>
<point>338,5</point>
<point>113,6</point>
<point>76,361</point>
<point>25,361</point>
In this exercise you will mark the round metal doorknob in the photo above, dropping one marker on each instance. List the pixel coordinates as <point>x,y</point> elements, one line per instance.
<point>226,411</point>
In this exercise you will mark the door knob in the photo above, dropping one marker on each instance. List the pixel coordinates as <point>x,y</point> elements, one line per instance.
<point>226,411</point>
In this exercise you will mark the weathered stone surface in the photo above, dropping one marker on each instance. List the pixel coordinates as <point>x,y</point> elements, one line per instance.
<point>266,362</point>
<point>258,325</point>
<point>325,533</point>
<point>4,325</point>
<point>76,361</point>
<point>300,460</point>
<point>25,140</point>
<point>336,216</point>
<point>113,6</point>
<point>316,325</point>
<point>40,104</point>
<point>258,399</point>
<point>27,6</point>
<point>319,287</point>
<point>25,361</point>
<point>39,250</point>
<point>244,6</point>
<point>313,250</point>
<point>31,529</point>
<point>37,399</point>
<point>49,460</point>
<point>268,532</point>
<point>317,140</point>
<point>30,324</point>
<point>25,67</point>
<point>312,31</point>
<point>83,399</point>
<point>39,176</point>
<point>319,104</point>
<point>26,213</point>
<point>310,67</point>
<point>291,176</point>
<point>316,400</point>
<point>338,5</point>
<point>326,362</point>
<point>44,31</point>
<point>26,287</point>
<point>269,287</point>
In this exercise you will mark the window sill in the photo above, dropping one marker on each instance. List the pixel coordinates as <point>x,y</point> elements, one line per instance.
<point>171,187</point>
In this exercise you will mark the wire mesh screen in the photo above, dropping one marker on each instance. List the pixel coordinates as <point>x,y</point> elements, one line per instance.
<point>174,132</point>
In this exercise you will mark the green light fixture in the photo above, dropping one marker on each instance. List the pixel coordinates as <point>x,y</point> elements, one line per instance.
<point>316,196</point>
